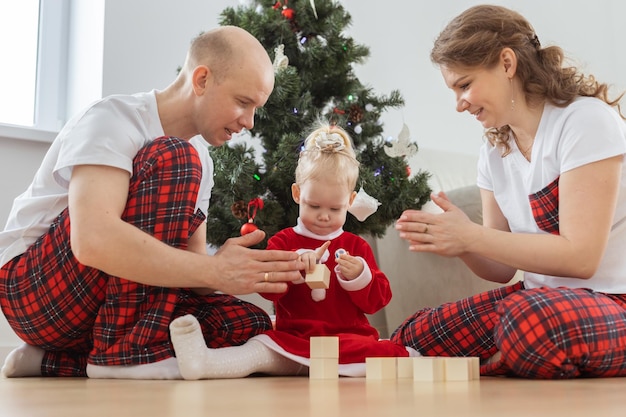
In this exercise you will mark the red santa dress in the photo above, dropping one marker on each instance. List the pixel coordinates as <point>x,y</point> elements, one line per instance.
<point>339,310</point>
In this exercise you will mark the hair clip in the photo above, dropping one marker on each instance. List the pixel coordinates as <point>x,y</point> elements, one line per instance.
<point>535,41</point>
<point>329,142</point>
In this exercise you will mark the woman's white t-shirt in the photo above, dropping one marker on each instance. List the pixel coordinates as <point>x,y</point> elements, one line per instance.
<point>586,131</point>
<point>109,132</point>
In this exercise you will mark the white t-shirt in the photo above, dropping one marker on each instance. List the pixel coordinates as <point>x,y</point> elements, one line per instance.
<point>109,132</point>
<point>586,131</point>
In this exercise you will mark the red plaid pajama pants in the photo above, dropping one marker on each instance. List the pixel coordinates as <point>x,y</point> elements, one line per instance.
<point>542,333</point>
<point>78,314</point>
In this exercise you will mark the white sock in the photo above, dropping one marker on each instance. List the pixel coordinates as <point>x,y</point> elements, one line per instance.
<point>165,369</point>
<point>196,361</point>
<point>23,361</point>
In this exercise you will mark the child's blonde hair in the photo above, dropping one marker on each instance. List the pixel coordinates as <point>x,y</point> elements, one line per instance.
<point>327,152</point>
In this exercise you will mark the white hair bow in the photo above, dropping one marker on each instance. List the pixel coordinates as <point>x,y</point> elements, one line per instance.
<point>326,141</point>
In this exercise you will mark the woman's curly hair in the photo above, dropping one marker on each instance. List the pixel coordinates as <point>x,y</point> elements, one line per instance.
<point>475,39</point>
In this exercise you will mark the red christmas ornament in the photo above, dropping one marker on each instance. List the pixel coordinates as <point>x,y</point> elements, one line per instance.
<point>288,13</point>
<point>253,206</point>
<point>248,227</point>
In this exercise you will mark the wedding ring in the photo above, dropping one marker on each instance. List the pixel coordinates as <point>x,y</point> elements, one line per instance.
<point>266,276</point>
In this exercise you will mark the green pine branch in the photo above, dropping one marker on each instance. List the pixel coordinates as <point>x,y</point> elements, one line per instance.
<point>319,82</point>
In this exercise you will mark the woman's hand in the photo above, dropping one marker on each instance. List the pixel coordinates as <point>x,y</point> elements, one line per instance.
<point>449,233</point>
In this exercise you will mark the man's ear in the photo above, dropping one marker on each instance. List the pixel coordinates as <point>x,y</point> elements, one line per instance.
<point>200,78</point>
<point>508,59</point>
<point>352,197</point>
<point>295,193</point>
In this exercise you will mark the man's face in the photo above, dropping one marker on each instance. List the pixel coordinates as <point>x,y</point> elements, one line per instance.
<point>227,106</point>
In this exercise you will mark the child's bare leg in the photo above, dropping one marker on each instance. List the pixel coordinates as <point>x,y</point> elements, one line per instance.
<point>196,361</point>
<point>23,361</point>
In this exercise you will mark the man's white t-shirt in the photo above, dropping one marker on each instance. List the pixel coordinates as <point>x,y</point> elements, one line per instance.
<point>109,132</point>
<point>586,131</point>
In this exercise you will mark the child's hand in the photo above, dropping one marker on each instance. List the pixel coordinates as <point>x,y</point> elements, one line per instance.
<point>311,258</point>
<point>349,266</point>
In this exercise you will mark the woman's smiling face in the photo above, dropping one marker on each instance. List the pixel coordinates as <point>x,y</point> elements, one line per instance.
<point>484,93</point>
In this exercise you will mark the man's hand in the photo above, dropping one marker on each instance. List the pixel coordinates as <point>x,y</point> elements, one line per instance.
<point>241,270</point>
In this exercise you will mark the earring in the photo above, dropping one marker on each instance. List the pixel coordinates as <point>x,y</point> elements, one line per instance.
<point>512,91</point>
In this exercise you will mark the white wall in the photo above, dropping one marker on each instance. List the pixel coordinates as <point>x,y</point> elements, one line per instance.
<point>400,35</point>
<point>145,42</point>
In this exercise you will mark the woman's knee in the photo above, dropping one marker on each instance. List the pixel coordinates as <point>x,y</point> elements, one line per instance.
<point>555,334</point>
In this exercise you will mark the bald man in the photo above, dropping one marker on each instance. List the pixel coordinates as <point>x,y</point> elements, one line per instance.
<point>108,244</point>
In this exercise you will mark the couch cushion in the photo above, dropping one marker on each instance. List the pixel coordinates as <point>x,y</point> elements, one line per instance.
<point>421,280</point>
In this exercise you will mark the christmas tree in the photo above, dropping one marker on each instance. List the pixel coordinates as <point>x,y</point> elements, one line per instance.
<point>313,60</point>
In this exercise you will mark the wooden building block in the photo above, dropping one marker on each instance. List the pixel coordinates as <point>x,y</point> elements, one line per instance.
<point>405,367</point>
<point>474,367</point>
<point>324,347</point>
<point>324,368</point>
<point>380,368</point>
<point>320,278</point>
<point>429,369</point>
<point>459,369</point>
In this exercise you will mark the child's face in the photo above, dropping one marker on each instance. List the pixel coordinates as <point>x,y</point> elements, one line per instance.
<point>323,204</point>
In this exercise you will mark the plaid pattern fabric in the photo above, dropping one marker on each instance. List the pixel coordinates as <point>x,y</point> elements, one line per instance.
<point>545,207</point>
<point>558,333</point>
<point>79,314</point>
<point>51,300</point>
<point>543,333</point>
<point>461,328</point>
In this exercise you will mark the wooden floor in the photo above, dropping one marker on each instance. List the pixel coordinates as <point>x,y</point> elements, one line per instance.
<point>299,396</point>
